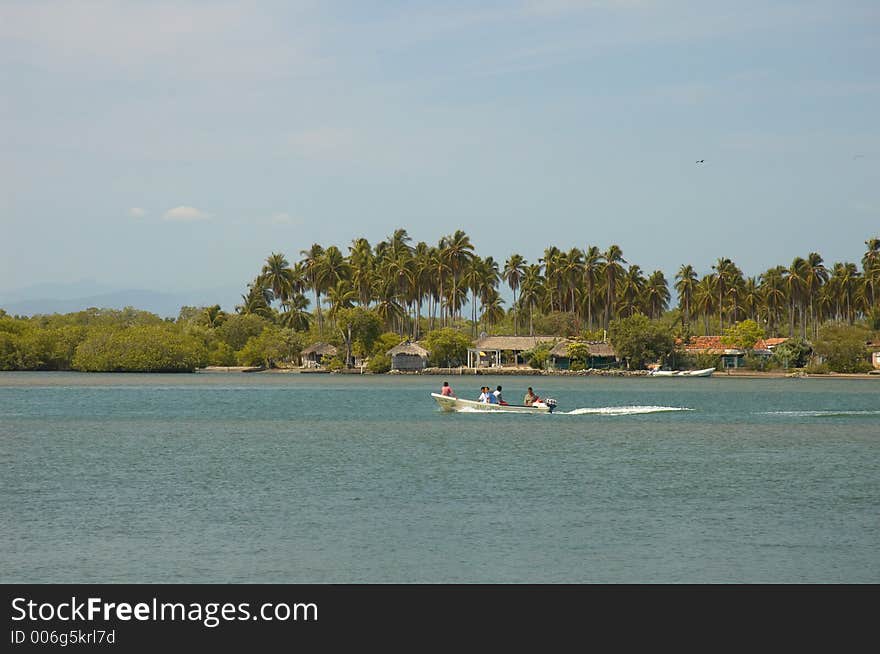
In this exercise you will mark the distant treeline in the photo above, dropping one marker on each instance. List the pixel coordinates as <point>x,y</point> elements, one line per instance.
<point>406,283</point>
<point>376,296</point>
<point>107,340</point>
<point>129,340</point>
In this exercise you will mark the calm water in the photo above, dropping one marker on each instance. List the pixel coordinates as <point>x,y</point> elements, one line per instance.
<point>325,478</point>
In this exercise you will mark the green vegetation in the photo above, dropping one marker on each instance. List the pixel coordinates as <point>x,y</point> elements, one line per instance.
<point>358,329</point>
<point>579,354</point>
<point>842,348</point>
<point>639,341</point>
<point>793,353</point>
<point>743,335</point>
<point>139,349</point>
<point>448,347</point>
<point>446,294</point>
<point>271,346</point>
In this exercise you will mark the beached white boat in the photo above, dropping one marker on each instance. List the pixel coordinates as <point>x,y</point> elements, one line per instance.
<point>448,403</point>
<point>705,372</point>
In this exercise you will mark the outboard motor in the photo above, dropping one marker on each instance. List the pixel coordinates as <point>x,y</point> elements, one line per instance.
<point>550,402</point>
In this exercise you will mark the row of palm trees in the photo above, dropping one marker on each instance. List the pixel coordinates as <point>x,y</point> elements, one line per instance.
<point>794,300</point>
<point>403,282</point>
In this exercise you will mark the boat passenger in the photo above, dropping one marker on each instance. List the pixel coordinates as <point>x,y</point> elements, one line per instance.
<point>447,390</point>
<point>530,397</point>
<point>490,396</point>
<point>484,394</point>
<point>498,397</point>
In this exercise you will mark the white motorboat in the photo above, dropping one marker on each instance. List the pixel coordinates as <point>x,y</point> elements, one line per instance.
<point>448,403</point>
<point>705,372</point>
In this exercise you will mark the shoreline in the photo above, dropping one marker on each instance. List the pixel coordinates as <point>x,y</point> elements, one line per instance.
<point>530,372</point>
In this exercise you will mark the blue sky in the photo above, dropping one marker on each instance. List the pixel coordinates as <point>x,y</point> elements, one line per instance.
<point>174,145</point>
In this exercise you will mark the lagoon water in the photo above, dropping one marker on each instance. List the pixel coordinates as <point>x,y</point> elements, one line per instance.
<point>326,478</point>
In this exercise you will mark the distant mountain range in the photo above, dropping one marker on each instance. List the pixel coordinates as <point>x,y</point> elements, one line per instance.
<point>76,296</point>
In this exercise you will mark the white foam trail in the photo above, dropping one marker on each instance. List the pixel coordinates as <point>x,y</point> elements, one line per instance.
<point>621,410</point>
<point>827,413</point>
<point>597,411</point>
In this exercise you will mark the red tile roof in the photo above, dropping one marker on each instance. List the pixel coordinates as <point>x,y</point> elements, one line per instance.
<point>713,344</point>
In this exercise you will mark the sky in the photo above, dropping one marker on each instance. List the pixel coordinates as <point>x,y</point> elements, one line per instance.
<point>175,145</point>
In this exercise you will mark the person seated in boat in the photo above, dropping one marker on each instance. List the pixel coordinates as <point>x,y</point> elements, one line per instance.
<point>490,396</point>
<point>484,394</point>
<point>530,397</point>
<point>447,390</point>
<point>498,397</point>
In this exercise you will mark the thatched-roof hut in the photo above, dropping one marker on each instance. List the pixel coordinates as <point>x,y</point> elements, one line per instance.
<point>601,355</point>
<point>408,356</point>
<point>314,355</point>
<point>487,350</point>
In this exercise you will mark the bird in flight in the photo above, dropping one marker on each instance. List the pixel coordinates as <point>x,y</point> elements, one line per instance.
<point>701,161</point>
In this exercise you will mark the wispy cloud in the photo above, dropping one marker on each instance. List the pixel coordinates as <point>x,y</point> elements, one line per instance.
<point>186,214</point>
<point>137,212</point>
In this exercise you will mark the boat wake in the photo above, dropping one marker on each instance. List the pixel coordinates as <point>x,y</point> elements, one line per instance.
<point>621,410</point>
<point>828,413</point>
<point>585,411</point>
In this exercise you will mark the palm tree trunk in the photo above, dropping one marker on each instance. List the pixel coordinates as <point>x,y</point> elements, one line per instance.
<point>514,313</point>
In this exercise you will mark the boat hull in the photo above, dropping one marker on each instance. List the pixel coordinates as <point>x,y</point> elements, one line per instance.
<point>706,372</point>
<point>457,404</point>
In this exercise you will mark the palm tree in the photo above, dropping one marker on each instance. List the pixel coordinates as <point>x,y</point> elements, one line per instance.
<point>294,314</point>
<point>340,296</point>
<point>550,260</point>
<point>845,278</point>
<point>656,294</point>
<point>438,272</point>
<point>472,279</point>
<point>388,308</point>
<point>751,299</point>
<point>612,271</point>
<point>795,287</point>
<point>490,276</point>
<point>422,280</point>
<point>401,272</point>
<point>398,243</point>
<point>629,294</point>
<point>361,262</point>
<point>214,316</point>
<point>815,276</point>
<point>592,267</point>
<point>257,300</point>
<point>278,276</point>
<point>572,271</point>
<point>871,266</point>
<point>705,298</point>
<point>685,286</point>
<point>532,291</point>
<point>772,284</point>
<point>514,269</point>
<point>312,271</point>
<point>493,312</point>
<point>724,269</point>
<point>456,251</point>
